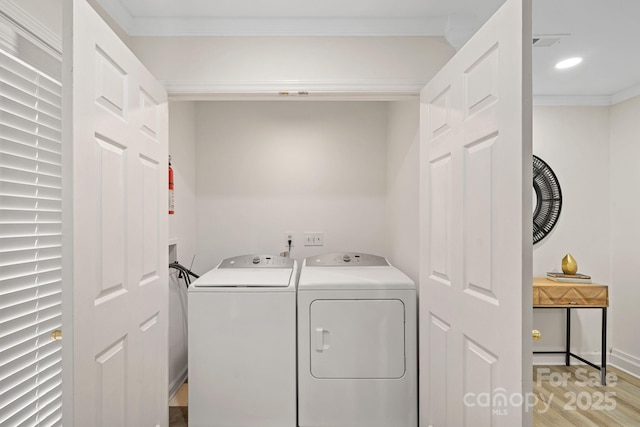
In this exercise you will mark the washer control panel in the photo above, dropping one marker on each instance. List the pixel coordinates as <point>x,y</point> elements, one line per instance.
<point>257,261</point>
<point>346,259</point>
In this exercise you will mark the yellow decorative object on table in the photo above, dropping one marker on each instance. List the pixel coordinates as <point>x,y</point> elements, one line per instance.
<point>569,264</point>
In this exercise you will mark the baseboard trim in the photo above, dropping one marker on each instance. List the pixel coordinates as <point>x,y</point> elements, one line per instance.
<point>175,385</point>
<point>625,362</point>
<point>558,359</point>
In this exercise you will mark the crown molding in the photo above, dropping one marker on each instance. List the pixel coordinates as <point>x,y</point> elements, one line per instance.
<point>353,97</point>
<point>49,40</point>
<point>311,90</point>
<point>625,94</point>
<point>571,100</point>
<point>586,100</point>
<point>161,26</point>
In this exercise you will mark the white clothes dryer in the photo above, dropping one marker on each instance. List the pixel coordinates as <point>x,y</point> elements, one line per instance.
<point>242,344</point>
<point>357,343</point>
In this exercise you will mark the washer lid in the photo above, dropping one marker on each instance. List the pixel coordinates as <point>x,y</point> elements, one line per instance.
<point>257,261</point>
<point>260,271</point>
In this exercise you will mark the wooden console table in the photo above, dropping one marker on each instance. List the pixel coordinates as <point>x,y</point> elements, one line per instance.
<point>550,294</point>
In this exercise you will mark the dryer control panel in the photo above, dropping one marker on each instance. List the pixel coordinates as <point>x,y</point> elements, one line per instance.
<point>257,261</point>
<point>346,259</point>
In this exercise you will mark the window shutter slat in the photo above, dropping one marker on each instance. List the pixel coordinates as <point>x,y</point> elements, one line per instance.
<point>31,394</point>
<point>10,188</point>
<point>27,97</point>
<point>49,411</point>
<point>27,267</point>
<point>25,124</point>
<point>17,135</point>
<point>51,414</point>
<point>29,293</point>
<point>19,243</point>
<point>12,414</point>
<point>19,356</point>
<point>18,283</point>
<point>26,326</point>
<point>17,230</point>
<point>25,203</point>
<point>21,176</point>
<point>27,162</point>
<point>31,108</point>
<point>31,416</point>
<point>15,257</point>
<point>19,77</point>
<point>13,302</point>
<point>27,101</point>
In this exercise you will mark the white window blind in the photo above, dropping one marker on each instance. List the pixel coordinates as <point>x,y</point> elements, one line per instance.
<point>30,245</point>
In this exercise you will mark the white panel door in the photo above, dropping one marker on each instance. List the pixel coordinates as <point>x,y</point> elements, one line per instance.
<point>116,219</point>
<point>476,244</point>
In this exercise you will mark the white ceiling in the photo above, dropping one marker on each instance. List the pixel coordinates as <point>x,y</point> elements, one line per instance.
<point>605,33</point>
<point>298,17</point>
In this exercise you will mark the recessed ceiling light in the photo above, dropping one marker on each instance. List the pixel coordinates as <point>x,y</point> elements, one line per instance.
<point>568,63</point>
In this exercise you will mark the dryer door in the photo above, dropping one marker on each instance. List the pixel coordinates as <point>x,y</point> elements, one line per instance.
<point>357,339</point>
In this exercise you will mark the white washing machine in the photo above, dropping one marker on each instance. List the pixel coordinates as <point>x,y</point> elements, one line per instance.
<point>357,349</point>
<point>242,344</point>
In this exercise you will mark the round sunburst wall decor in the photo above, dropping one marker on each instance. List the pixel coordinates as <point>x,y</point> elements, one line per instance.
<point>548,199</point>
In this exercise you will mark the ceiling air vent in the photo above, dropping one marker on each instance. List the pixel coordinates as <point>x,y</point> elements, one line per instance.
<point>546,40</point>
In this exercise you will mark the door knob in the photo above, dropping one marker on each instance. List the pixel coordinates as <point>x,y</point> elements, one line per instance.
<point>536,335</point>
<point>56,335</point>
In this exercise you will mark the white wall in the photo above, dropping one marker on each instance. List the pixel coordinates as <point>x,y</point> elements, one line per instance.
<point>403,173</point>
<point>287,62</point>
<point>625,230</point>
<point>182,231</point>
<point>574,141</point>
<point>266,168</point>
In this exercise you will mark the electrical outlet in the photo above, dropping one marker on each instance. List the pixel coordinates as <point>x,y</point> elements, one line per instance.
<point>313,238</point>
<point>289,235</point>
<point>308,239</point>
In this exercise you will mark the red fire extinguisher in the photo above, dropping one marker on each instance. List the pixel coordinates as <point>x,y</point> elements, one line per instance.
<point>171,200</point>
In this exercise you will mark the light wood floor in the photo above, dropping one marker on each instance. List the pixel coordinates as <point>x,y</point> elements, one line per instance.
<point>573,396</point>
<point>182,396</point>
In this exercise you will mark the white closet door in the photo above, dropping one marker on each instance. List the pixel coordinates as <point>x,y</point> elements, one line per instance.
<point>476,239</point>
<point>30,232</point>
<point>115,193</point>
